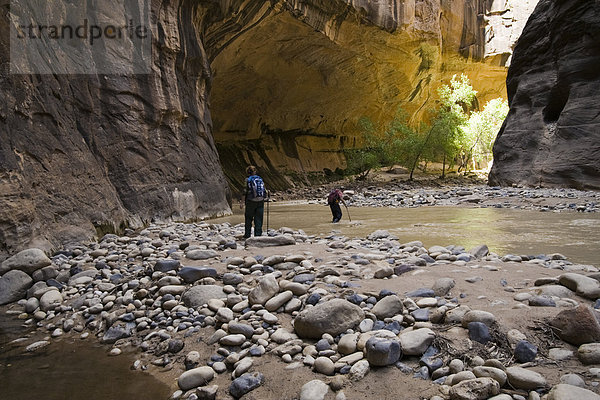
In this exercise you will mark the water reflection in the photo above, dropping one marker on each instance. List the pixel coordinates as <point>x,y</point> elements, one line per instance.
<point>505,231</point>
<point>70,370</point>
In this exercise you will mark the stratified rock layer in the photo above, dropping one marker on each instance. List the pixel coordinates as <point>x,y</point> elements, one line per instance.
<point>551,136</point>
<point>79,152</point>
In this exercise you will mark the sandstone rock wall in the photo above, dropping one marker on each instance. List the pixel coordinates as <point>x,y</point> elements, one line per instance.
<point>86,152</point>
<point>551,136</point>
<point>292,78</point>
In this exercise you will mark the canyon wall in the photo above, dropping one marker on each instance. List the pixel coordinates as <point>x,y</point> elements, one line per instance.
<point>86,153</point>
<point>551,136</point>
<point>292,78</point>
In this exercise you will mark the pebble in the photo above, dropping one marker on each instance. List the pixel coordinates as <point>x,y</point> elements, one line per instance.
<point>314,390</point>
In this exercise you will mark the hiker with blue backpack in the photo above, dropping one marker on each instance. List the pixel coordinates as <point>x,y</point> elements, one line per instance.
<point>255,196</point>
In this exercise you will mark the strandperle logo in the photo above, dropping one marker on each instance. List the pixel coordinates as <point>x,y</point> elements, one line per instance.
<point>80,37</point>
<point>86,31</point>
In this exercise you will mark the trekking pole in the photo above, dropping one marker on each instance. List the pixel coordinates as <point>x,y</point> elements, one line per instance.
<point>348,211</point>
<point>268,201</point>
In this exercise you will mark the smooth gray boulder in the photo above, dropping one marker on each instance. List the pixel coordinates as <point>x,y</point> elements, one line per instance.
<point>195,377</point>
<point>333,317</point>
<point>526,379</point>
<point>267,288</point>
<point>563,391</point>
<point>415,343</point>
<point>201,294</point>
<point>388,307</point>
<point>50,300</point>
<point>28,261</point>
<point>582,285</point>
<point>589,353</point>
<point>201,254</point>
<point>269,241</point>
<point>14,285</point>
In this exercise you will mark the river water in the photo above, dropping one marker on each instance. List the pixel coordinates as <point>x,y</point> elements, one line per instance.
<point>504,231</point>
<point>70,369</point>
<point>76,370</point>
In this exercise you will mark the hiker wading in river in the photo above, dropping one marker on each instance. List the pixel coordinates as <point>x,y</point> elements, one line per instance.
<point>254,196</point>
<point>333,199</point>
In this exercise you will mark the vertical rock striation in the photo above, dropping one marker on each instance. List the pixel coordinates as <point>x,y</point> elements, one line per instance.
<point>551,136</point>
<point>86,152</point>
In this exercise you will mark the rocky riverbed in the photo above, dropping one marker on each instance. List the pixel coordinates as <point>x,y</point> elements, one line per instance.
<point>293,316</point>
<point>395,192</point>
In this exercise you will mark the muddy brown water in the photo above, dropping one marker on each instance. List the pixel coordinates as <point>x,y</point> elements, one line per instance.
<point>504,231</point>
<point>70,369</point>
<point>73,369</point>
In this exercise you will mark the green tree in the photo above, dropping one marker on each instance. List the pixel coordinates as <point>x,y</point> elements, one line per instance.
<point>447,136</point>
<point>481,130</point>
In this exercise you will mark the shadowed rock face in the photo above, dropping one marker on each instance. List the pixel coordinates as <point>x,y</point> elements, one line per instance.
<point>79,152</point>
<point>551,136</point>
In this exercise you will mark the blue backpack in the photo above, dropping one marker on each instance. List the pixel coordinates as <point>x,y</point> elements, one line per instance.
<point>256,186</point>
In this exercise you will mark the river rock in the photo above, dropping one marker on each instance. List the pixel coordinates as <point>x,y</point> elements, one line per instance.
<point>381,351</point>
<point>267,288</point>
<point>278,301</point>
<point>246,383</point>
<point>240,328</point>
<point>50,300</point>
<point>201,294</point>
<point>388,307</point>
<point>347,344</point>
<point>193,274</point>
<point>314,390</point>
<point>115,333</point>
<point>479,332</point>
<point>480,251</point>
<point>564,391</point>
<point>166,265</point>
<point>207,392</point>
<point>525,351</point>
<point>442,286</point>
<point>198,254</point>
<point>281,336</point>
<point>589,353</point>
<point>521,378</point>
<point>491,372</point>
<point>269,241</point>
<point>195,377</point>
<point>415,343</point>
<point>230,278</point>
<point>233,340</point>
<point>14,285</point>
<point>457,314</point>
<point>584,286</point>
<point>334,317</point>
<point>573,379</point>
<point>475,389</point>
<point>359,370</point>
<point>28,261</point>
<point>478,316</point>
<point>324,365</point>
<point>577,326</point>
